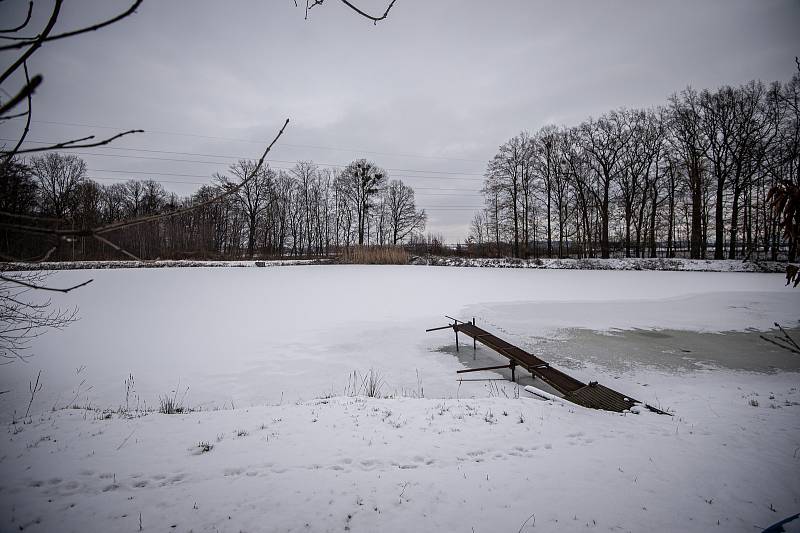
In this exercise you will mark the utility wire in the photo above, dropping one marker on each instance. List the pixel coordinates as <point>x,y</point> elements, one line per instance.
<point>233,139</point>
<point>338,165</point>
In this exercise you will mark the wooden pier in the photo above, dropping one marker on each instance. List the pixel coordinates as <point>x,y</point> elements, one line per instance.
<point>592,395</point>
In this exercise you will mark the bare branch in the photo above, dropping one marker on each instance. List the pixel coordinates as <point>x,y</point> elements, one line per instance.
<point>97,232</point>
<point>43,287</point>
<point>150,218</point>
<point>24,93</point>
<point>788,338</point>
<point>31,217</point>
<point>28,84</point>
<point>312,3</point>
<point>18,115</point>
<point>367,15</point>
<point>45,257</point>
<point>69,145</point>
<point>25,41</point>
<point>115,247</point>
<point>35,45</point>
<point>777,342</point>
<point>24,22</point>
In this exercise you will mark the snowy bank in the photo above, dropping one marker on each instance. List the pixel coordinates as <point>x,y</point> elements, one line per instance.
<point>157,263</point>
<point>723,462</point>
<point>690,265</point>
<point>686,265</point>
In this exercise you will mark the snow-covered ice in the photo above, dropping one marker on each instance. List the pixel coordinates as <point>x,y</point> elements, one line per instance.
<point>289,449</point>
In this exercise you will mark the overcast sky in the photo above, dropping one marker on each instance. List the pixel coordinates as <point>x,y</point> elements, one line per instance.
<point>428,94</point>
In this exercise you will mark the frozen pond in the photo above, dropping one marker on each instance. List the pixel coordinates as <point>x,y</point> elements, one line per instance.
<point>253,336</point>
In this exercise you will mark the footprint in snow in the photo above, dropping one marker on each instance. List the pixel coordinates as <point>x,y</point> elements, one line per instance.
<point>369,463</point>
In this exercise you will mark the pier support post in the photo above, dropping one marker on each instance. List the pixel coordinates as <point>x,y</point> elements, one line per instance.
<point>474,344</point>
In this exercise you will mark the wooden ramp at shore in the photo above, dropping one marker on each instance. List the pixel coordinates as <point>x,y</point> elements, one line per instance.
<point>592,395</point>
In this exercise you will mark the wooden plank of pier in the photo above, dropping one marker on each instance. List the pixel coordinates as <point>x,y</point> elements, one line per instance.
<point>592,395</point>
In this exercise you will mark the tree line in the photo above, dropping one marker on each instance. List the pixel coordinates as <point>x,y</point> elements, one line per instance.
<point>691,177</point>
<point>303,211</point>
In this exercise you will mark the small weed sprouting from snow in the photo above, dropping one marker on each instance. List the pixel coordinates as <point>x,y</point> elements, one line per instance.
<point>489,417</point>
<point>167,406</point>
<point>241,432</point>
<point>204,446</point>
<point>171,405</point>
<point>753,402</point>
<point>369,385</point>
<point>130,392</point>
<point>521,419</point>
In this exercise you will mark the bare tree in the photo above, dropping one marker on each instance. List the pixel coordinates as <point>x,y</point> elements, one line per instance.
<point>605,142</point>
<point>363,182</point>
<point>507,171</point>
<point>691,143</point>
<point>254,183</point>
<point>58,177</point>
<point>404,218</point>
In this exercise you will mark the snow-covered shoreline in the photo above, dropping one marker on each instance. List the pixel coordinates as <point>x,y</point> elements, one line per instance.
<point>630,263</point>
<point>158,263</point>
<point>675,264</point>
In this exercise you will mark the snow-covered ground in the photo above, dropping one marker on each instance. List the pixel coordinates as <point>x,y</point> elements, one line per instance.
<point>291,448</point>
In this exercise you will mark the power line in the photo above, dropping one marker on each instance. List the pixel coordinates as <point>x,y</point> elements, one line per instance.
<point>460,194</point>
<point>178,174</point>
<point>317,147</point>
<point>415,187</point>
<point>445,172</point>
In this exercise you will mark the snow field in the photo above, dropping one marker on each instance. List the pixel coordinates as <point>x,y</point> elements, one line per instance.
<point>424,464</point>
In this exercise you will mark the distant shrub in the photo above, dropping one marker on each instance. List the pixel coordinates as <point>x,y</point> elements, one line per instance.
<point>375,255</point>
